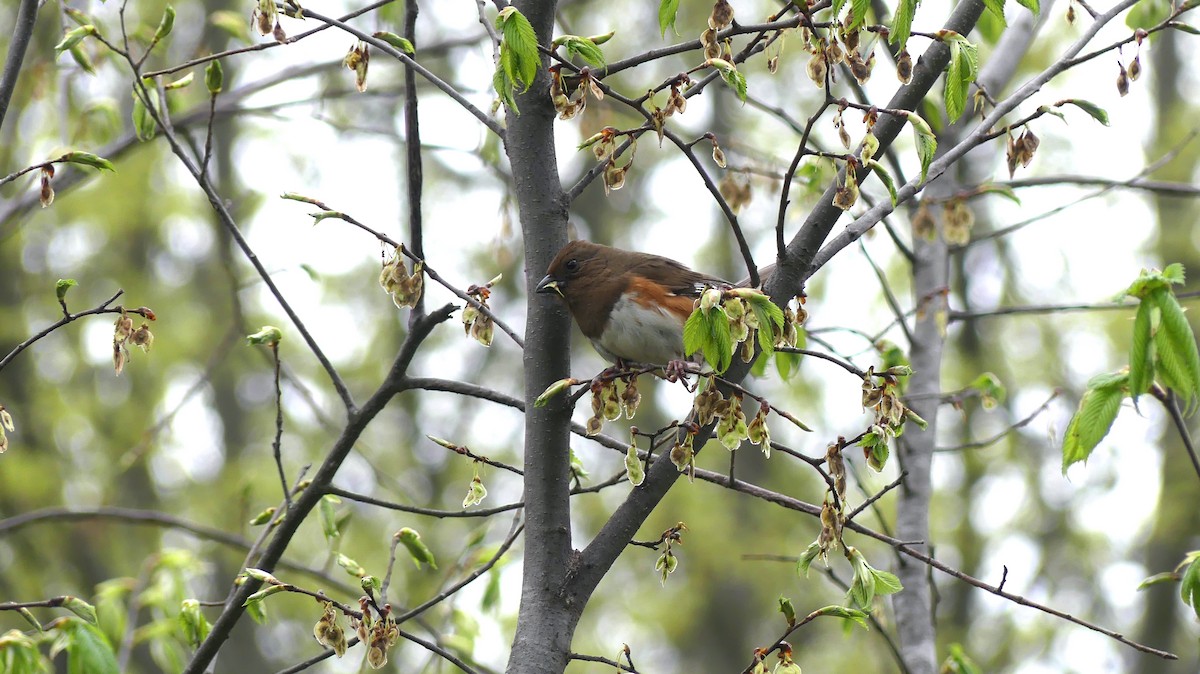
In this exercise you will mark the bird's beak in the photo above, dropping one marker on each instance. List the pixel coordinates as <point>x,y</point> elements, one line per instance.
<point>549,285</point>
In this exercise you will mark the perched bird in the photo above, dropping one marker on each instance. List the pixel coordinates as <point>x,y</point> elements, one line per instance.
<point>632,306</point>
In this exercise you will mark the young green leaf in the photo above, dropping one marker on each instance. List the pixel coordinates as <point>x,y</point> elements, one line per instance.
<point>88,159</point>
<point>505,89</point>
<point>859,9</point>
<point>214,77</point>
<point>667,9</point>
<point>925,140</point>
<point>885,178</point>
<point>1032,5</point>
<point>960,73</point>
<point>996,7</point>
<point>74,37</point>
<point>165,24</point>
<point>854,615</point>
<point>582,47</point>
<point>1189,587</point>
<point>396,41</point>
<point>1097,410</point>
<point>143,122</point>
<point>1141,352</point>
<point>1096,112</point>
<point>62,286</point>
<point>519,50</point>
<point>902,22</point>
<point>417,550</point>
<point>327,510</point>
<point>88,650</point>
<point>1177,345</point>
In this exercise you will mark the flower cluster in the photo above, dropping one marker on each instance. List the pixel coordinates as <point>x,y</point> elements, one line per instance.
<point>124,334</point>
<point>883,398</point>
<point>357,59</point>
<point>477,320</point>
<point>611,397</point>
<point>328,632</point>
<point>379,633</point>
<point>395,280</point>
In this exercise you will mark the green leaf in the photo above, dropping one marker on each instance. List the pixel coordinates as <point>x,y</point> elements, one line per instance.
<point>1002,190</point>
<point>80,608</point>
<point>667,9</point>
<point>1178,344</point>
<point>143,122</point>
<point>1185,28</point>
<point>1141,352</point>
<point>1159,579</point>
<point>1032,5</point>
<point>1148,13</point>
<point>996,7</point>
<point>1097,411</point>
<point>902,22</point>
<point>268,334</point>
<point>257,610</point>
<point>959,662</point>
<point>519,50</point>
<point>1096,112</point>
<point>734,79</point>
<point>845,612</point>
<point>859,8</point>
<point>74,37</point>
<point>1174,274</point>
<point>214,77</point>
<point>885,178</point>
<point>886,582</point>
<point>351,566</point>
<point>165,24</point>
<point>583,48</point>
<point>62,286</point>
<point>88,159</point>
<point>806,558</point>
<point>1189,587</point>
<point>503,85</point>
<point>400,43</point>
<point>88,650</point>
<point>420,553</point>
<point>925,140</point>
<point>960,73</point>
<point>327,510</point>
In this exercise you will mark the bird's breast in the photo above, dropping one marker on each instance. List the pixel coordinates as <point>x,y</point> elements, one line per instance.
<point>640,333</point>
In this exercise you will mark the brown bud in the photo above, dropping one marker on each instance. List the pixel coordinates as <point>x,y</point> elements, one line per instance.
<point>904,67</point>
<point>278,34</point>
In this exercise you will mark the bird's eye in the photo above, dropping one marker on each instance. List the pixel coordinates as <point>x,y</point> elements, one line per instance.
<point>572,265</point>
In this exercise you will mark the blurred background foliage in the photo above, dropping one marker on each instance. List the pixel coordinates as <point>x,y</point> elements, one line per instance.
<point>187,429</point>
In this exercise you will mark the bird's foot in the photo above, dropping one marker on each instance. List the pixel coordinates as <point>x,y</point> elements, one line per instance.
<point>678,370</point>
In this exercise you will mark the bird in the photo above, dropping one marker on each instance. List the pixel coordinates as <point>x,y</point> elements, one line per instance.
<point>632,306</point>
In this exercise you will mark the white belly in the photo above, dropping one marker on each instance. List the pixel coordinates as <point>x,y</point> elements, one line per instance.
<point>638,334</point>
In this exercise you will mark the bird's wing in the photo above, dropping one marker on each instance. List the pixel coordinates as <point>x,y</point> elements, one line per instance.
<point>677,278</point>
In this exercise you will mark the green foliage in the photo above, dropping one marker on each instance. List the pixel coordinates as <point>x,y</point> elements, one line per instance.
<point>859,9</point>
<point>417,550</point>
<point>581,47</point>
<point>1189,586</point>
<point>519,57</point>
<point>925,141</point>
<point>884,177</point>
<point>1097,113</point>
<point>88,159</point>
<point>400,43</point>
<point>165,24</point>
<point>88,650</point>
<point>960,73</point>
<point>1097,410</point>
<point>731,77</point>
<point>996,9</point>
<point>958,662</point>
<point>708,332</point>
<point>902,21</point>
<point>73,37</point>
<point>869,581</point>
<point>62,286</point>
<point>667,11</point>
<point>214,77</point>
<point>1032,5</point>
